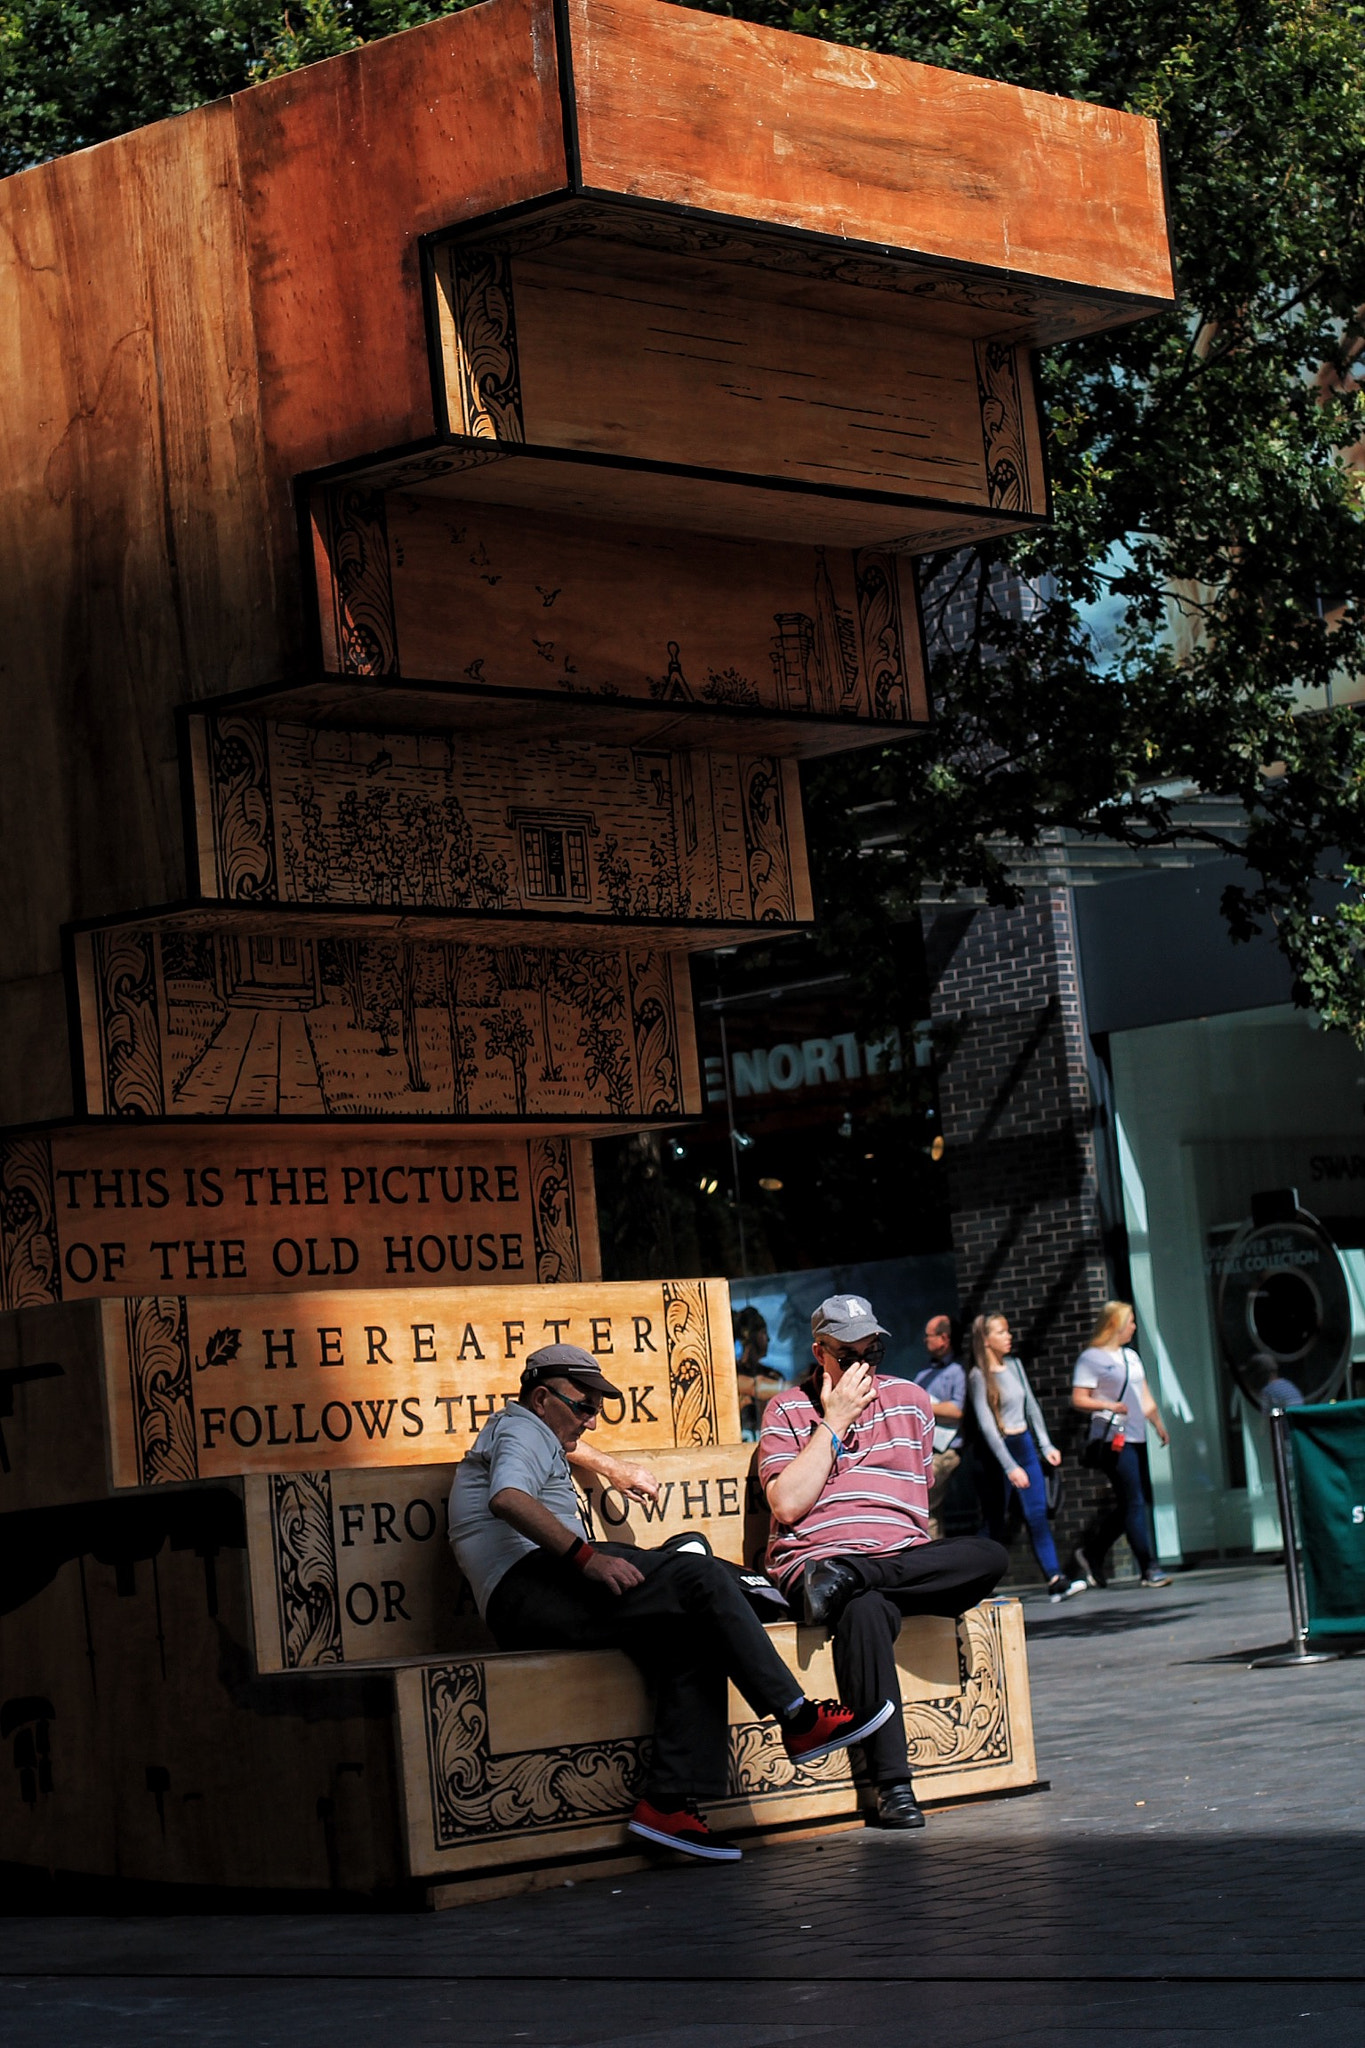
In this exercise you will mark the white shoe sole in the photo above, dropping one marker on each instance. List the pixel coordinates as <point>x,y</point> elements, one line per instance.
<point>858,1734</point>
<point>705,1852</point>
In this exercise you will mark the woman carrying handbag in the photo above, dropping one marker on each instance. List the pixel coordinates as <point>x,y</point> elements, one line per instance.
<point>1110,1386</point>
<point>1014,1432</point>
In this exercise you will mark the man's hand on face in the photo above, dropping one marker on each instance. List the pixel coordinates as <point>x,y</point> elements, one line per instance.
<point>844,1403</point>
<point>617,1574</point>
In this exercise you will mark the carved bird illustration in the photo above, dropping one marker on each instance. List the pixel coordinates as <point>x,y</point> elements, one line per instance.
<point>475,670</point>
<point>547,597</point>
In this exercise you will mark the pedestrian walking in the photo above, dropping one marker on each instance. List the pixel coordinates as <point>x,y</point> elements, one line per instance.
<point>1014,1433</point>
<point>945,1382</point>
<point>1110,1386</point>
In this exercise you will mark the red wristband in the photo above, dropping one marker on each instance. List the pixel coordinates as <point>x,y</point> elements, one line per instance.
<point>579,1554</point>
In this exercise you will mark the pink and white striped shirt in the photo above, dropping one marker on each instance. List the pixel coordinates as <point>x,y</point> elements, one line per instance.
<point>875,1499</point>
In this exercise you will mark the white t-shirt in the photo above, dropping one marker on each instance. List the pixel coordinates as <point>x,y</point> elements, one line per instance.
<point>1102,1371</point>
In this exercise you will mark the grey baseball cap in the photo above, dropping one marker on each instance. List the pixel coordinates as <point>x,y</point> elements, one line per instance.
<point>845,1319</point>
<point>567,1362</point>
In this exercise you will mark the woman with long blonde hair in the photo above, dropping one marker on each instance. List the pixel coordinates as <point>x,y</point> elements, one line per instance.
<point>1110,1386</point>
<point>1014,1433</point>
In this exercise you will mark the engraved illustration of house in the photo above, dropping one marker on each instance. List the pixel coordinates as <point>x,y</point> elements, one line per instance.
<point>553,849</point>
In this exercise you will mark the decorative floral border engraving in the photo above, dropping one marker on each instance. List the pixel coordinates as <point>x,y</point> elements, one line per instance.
<point>240,809</point>
<point>355,528</point>
<point>129,1026</point>
<point>1002,427</point>
<point>883,635</point>
<point>157,1327</point>
<point>30,1269</point>
<point>485,402</point>
<point>304,1546</point>
<point>765,840</point>
<point>475,1796</point>
<point>552,1211</point>
<point>654,1032</point>
<point>691,1367</point>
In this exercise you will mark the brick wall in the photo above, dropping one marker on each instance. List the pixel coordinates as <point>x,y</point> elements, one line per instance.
<point>1018,1123</point>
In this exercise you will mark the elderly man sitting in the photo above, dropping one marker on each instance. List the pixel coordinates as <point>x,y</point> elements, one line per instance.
<point>680,1614</point>
<point>846,1461</point>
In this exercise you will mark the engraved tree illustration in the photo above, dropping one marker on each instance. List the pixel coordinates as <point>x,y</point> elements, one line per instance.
<point>508,1036</point>
<point>591,984</point>
<point>461,1035</point>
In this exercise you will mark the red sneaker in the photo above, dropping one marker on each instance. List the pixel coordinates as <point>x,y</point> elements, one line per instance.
<point>834,1727</point>
<point>682,1829</point>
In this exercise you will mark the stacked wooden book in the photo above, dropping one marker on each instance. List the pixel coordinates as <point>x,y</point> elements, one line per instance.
<point>485,464</point>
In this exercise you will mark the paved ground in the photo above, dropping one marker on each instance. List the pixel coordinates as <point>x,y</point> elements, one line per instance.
<point>1193,1877</point>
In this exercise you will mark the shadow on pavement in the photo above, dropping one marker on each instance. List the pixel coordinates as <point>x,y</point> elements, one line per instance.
<point>1075,1619</point>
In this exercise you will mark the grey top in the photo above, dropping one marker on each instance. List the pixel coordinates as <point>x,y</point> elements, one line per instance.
<point>1018,1410</point>
<point>515,1449</point>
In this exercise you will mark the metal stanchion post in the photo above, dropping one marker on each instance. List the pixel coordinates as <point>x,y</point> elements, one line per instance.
<point>1298,1605</point>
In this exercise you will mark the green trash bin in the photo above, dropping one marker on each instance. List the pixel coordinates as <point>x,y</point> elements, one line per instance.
<point>1326,1442</point>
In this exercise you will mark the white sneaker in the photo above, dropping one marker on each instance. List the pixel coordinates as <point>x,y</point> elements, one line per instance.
<point>1062,1588</point>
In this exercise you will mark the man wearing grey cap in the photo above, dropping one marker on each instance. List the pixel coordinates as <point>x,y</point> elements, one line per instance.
<point>846,1461</point>
<point>678,1612</point>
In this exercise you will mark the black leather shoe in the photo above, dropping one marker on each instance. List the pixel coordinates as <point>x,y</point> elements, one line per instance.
<point>897,1807</point>
<point>829,1585</point>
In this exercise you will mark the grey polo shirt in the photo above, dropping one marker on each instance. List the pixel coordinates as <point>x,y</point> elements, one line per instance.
<point>515,1449</point>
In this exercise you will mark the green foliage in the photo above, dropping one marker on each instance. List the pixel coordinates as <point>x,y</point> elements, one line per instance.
<point>1196,460</point>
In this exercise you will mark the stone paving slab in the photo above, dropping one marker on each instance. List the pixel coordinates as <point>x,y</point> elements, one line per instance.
<point>1194,1871</point>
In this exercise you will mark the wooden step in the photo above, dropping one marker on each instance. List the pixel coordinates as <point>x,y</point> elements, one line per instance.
<point>158,1390</point>
<point>514,1763</point>
<point>588,619</point>
<point>203,1020</point>
<point>569,840</point>
<point>355,1567</point>
<point>91,1210</point>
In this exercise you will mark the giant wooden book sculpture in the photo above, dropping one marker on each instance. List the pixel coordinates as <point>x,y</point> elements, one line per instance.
<point>447,491</point>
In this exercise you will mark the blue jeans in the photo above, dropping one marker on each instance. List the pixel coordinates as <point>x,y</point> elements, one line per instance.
<point>1129,1511</point>
<point>998,1492</point>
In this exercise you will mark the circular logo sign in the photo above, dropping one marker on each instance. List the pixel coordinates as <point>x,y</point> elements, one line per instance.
<point>1283,1302</point>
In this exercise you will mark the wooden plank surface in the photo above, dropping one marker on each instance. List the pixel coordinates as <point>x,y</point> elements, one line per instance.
<point>139,1743</point>
<point>355,1567</point>
<point>571,486</point>
<point>211,1024</point>
<point>52,1435</point>
<point>687,110</point>
<point>88,1212</point>
<point>204,1388</point>
<point>344,166</point>
<point>670,368</point>
<point>392,822</point>
<point>536,1759</point>
<point>494,599</point>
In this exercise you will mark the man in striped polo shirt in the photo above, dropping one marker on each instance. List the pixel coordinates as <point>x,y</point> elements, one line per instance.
<point>846,1460</point>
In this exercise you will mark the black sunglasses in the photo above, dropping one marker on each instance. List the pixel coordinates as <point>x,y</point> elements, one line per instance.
<point>581,1408</point>
<point>873,1356</point>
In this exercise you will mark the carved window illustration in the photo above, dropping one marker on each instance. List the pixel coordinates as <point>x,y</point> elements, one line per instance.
<point>554,855</point>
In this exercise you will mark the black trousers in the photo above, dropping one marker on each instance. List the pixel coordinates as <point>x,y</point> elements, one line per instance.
<point>688,1628</point>
<point>927,1578</point>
